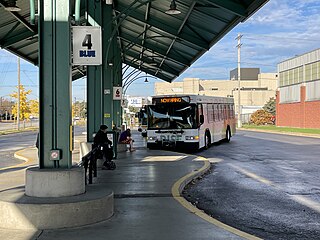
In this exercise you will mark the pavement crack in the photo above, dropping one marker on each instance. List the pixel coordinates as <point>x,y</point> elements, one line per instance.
<point>39,235</point>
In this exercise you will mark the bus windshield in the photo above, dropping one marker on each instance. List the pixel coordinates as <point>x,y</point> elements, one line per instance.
<point>172,116</point>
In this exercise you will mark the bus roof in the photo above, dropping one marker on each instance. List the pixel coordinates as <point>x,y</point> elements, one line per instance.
<point>199,98</point>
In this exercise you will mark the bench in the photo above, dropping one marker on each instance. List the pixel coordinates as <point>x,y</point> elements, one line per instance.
<point>122,147</point>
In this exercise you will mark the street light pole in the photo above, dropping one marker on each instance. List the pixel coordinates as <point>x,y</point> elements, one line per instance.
<point>18,107</point>
<point>239,79</point>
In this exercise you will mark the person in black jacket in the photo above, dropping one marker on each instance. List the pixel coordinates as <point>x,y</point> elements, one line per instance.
<point>101,140</point>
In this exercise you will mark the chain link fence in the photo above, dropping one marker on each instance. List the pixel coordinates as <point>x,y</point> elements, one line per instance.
<point>9,125</point>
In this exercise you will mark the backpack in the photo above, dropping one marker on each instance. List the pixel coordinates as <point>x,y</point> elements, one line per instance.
<point>110,165</point>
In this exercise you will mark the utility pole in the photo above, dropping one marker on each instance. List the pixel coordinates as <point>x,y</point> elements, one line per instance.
<point>18,107</point>
<point>239,79</point>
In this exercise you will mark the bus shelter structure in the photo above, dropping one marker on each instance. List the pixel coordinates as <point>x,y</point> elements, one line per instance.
<point>159,37</point>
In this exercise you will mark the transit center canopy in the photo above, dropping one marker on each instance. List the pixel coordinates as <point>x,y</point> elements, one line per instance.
<point>150,39</point>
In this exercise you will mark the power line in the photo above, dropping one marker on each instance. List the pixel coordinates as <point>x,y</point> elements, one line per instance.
<point>259,37</point>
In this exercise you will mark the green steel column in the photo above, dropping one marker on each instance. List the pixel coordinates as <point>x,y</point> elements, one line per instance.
<point>94,78</point>
<point>108,64</point>
<point>55,83</point>
<point>117,73</point>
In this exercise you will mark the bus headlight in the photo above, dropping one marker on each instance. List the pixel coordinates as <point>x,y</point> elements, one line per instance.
<point>192,137</point>
<point>152,138</point>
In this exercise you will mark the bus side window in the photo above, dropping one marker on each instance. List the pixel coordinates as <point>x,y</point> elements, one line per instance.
<point>213,113</point>
<point>210,113</point>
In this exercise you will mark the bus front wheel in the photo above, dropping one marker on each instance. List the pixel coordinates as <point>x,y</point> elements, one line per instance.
<point>207,141</point>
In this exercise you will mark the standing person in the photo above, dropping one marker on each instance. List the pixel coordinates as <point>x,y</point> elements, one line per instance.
<point>37,143</point>
<point>101,140</point>
<point>125,138</point>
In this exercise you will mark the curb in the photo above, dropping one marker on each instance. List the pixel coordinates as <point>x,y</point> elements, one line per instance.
<point>18,156</point>
<point>176,193</point>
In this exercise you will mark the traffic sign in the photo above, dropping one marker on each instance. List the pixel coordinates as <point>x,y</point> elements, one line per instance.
<point>55,154</point>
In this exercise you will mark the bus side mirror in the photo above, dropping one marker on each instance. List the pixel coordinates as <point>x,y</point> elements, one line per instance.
<point>201,119</point>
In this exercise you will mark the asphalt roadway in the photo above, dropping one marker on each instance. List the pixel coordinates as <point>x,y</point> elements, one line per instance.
<point>264,184</point>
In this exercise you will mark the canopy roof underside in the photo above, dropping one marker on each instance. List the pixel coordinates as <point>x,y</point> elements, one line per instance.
<point>150,40</point>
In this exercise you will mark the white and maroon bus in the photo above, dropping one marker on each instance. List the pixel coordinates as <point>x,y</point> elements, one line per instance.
<point>189,121</point>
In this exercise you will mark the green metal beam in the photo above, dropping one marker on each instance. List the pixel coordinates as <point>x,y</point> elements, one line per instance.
<point>159,75</point>
<point>228,5</point>
<point>186,17</point>
<point>55,83</point>
<point>160,51</point>
<point>94,81</point>
<point>11,30</point>
<point>108,50</point>
<point>16,39</point>
<point>134,54</point>
<point>17,53</point>
<point>20,18</point>
<point>158,23</point>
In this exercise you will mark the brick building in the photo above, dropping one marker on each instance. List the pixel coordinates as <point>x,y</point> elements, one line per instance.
<point>298,98</point>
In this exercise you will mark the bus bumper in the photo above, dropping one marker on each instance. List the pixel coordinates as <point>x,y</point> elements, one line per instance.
<point>178,145</point>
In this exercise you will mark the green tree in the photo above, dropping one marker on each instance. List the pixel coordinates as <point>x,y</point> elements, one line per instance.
<point>270,106</point>
<point>24,105</point>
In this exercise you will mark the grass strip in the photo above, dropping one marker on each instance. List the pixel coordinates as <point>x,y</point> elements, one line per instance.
<point>282,129</point>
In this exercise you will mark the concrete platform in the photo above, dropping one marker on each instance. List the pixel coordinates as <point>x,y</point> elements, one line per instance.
<point>147,202</point>
<point>18,211</point>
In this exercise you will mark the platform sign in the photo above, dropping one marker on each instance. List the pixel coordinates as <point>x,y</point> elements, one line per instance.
<point>87,46</point>
<point>117,93</point>
<point>135,102</point>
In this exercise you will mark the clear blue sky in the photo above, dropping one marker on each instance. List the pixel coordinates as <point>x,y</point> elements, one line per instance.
<point>280,30</point>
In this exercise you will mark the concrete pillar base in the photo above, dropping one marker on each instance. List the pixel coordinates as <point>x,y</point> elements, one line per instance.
<point>54,182</point>
<point>18,211</point>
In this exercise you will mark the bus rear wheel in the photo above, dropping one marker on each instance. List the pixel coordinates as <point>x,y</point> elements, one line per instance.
<point>228,135</point>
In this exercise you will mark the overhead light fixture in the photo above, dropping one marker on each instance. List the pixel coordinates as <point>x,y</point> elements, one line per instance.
<point>146,80</point>
<point>109,2</point>
<point>173,8</point>
<point>11,6</point>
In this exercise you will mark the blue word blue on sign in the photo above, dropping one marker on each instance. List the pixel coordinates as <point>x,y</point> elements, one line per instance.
<point>87,53</point>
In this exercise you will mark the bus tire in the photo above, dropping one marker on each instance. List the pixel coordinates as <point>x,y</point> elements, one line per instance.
<point>228,135</point>
<point>207,141</point>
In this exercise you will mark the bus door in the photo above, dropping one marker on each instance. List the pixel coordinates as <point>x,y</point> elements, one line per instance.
<point>201,127</point>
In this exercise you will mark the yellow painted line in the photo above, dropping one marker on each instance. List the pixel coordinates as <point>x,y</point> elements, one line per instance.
<point>21,157</point>
<point>163,158</point>
<point>182,182</point>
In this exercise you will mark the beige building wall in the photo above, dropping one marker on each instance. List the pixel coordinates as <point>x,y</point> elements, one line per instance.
<point>253,92</point>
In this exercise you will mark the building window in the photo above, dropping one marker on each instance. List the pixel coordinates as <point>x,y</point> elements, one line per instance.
<point>290,94</point>
<point>313,90</point>
<point>314,73</point>
<point>308,72</point>
<point>296,75</point>
<point>300,77</point>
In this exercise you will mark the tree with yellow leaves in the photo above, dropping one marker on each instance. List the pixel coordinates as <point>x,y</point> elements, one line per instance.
<point>34,108</point>
<point>24,105</point>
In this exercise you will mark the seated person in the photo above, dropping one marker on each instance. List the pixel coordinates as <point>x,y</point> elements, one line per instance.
<point>125,138</point>
<point>101,139</point>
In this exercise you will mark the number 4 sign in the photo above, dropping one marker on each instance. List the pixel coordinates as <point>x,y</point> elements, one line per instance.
<point>86,45</point>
